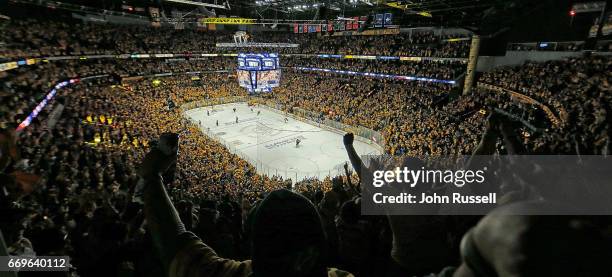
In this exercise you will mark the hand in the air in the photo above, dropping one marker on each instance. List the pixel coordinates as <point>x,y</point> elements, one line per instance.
<point>348,139</point>
<point>155,162</point>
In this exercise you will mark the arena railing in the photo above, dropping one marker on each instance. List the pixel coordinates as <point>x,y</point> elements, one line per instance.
<point>554,45</point>
<point>525,99</point>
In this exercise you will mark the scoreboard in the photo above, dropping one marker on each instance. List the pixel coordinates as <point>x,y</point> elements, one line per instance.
<point>258,62</point>
<point>258,72</point>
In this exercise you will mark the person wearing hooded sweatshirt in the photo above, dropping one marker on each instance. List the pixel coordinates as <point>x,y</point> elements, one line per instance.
<point>287,236</point>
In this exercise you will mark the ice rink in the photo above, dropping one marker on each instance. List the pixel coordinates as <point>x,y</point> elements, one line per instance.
<point>268,142</point>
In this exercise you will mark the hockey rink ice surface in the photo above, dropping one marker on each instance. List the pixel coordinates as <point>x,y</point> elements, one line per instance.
<point>267,142</point>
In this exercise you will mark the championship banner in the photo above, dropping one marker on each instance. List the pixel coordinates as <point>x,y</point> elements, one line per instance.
<point>355,22</point>
<point>378,20</point>
<point>349,25</point>
<point>201,25</point>
<point>388,19</point>
<point>305,28</point>
<point>605,30</point>
<point>330,26</point>
<point>363,20</point>
<point>593,30</point>
<point>296,28</point>
<point>324,27</point>
<point>154,14</point>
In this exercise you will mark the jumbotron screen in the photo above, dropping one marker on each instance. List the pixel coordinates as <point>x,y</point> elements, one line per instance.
<point>258,72</point>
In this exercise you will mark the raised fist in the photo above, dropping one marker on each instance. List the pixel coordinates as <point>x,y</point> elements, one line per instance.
<point>349,138</point>
<point>155,162</point>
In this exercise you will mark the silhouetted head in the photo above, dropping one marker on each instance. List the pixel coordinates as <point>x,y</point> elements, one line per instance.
<point>533,245</point>
<point>287,237</point>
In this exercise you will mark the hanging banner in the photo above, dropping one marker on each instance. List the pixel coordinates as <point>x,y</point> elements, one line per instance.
<point>388,19</point>
<point>201,25</point>
<point>341,26</point>
<point>378,20</point>
<point>229,20</point>
<point>154,14</point>
<point>363,21</point>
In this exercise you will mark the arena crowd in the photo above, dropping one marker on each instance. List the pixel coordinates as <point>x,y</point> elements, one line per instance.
<point>68,180</point>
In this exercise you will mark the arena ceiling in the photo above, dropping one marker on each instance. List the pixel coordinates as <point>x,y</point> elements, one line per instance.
<point>471,14</point>
<point>462,13</point>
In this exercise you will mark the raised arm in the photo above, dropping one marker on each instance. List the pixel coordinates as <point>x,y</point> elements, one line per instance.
<point>353,156</point>
<point>489,138</point>
<point>181,252</point>
<point>354,189</point>
<point>162,218</point>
